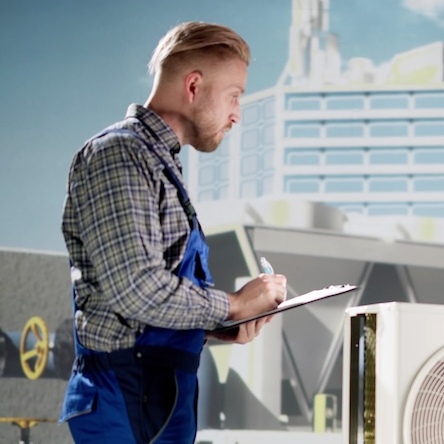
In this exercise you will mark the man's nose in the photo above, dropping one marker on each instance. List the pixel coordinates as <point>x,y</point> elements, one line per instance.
<point>236,115</point>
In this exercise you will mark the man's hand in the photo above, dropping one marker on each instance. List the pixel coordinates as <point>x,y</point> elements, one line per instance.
<point>259,295</point>
<point>242,334</point>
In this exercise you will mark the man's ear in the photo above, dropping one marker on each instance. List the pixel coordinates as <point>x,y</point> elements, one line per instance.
<point>193,83</point>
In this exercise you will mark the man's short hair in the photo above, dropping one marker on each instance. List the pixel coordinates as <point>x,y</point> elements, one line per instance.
<point>192,36</point>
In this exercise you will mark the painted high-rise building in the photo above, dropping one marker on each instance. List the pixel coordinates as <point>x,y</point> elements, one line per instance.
<point>367,140</point>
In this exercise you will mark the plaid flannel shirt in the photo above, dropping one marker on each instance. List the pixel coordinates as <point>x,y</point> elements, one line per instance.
<point>126,232</point>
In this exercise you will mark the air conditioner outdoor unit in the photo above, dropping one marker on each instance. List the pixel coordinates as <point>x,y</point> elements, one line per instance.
<point>393,374</point>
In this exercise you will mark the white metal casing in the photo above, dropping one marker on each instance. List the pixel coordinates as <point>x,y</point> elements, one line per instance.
<point>407,335</point>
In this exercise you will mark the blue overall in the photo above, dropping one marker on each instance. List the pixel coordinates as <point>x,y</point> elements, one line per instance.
<point>148,393</point>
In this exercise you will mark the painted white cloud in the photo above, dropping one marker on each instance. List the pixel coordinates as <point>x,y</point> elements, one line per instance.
<point>433,9</point>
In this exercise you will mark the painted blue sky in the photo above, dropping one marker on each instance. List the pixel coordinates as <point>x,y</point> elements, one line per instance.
<point>70,67</point>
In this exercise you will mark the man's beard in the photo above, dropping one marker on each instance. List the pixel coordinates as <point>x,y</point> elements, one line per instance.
<point>207,144</point>
<point>204,138</point>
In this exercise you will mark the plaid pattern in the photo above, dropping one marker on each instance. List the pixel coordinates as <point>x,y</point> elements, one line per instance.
<point>126,232</point>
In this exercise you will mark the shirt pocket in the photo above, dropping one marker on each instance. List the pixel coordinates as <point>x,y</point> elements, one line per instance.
<point>80,397</point>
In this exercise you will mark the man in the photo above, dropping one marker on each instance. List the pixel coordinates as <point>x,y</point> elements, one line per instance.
<point>142,291</point>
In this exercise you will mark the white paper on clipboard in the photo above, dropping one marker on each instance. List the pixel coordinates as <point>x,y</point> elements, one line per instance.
<point>297,301</point>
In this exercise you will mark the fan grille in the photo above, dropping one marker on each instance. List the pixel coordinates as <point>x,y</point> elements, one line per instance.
<point>424,414</point>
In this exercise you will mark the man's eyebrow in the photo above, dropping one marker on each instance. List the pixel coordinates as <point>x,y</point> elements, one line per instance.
<point>240,88</point>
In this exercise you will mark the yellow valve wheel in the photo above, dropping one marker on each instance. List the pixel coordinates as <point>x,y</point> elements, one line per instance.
<point>34,360</point>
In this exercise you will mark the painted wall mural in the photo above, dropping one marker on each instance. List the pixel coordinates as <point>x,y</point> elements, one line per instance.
<point>366,139</point>
<point>335,174</point>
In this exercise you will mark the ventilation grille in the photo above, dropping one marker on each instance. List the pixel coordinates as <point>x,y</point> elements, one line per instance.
<point>424,411</point>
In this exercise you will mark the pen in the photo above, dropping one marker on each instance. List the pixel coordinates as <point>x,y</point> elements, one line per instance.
<point>266,266</point>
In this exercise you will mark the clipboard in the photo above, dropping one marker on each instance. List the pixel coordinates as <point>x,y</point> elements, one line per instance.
<point>297,301</point>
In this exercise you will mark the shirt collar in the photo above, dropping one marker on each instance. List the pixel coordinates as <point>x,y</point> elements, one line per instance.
<point>156,125</point>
